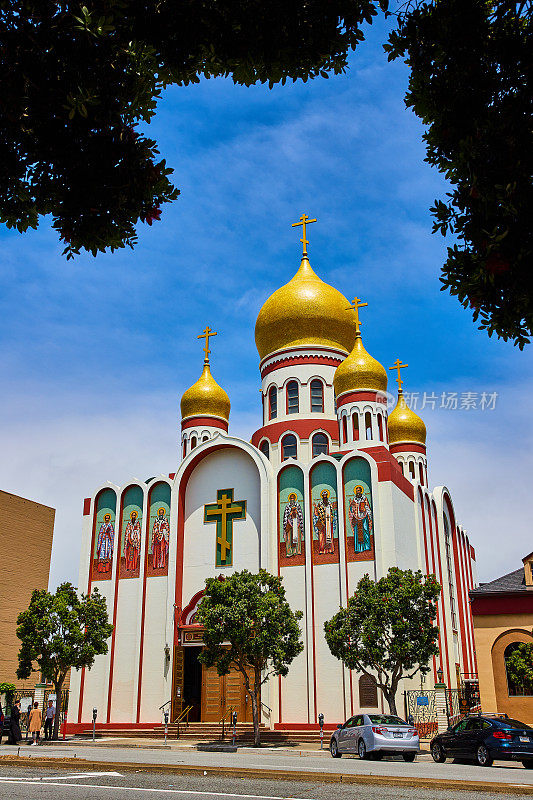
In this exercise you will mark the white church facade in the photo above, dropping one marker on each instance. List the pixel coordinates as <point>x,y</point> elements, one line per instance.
<point>330,488</point>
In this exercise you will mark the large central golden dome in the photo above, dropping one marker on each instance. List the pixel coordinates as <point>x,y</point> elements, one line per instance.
<point>306,311</point>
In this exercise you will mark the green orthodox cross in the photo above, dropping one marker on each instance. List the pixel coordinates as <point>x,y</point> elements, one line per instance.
<point>223,512</point>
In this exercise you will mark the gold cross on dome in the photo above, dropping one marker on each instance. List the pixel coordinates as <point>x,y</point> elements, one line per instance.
<point>205,335</point>
<point>356,305</point>
<point>304,220</point>
<point>399,366</point>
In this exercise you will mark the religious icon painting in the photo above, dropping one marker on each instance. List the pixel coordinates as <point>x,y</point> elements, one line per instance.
<point>224,513</point>
<point>158,531</point>
<point>325,517</point>
<point>359,523</point>
<point>130,539</point>
<point>291,546</point>
<point>104,535</point>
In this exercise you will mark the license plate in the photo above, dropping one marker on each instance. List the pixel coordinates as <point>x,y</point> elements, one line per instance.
<point>524,738</point>
<point>397,735</point>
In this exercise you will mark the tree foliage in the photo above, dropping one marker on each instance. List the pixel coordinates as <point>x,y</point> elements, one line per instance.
<point>471,84</point>
<point>519,665</point>
<point>249,625</point>
<point>387,630</point>
<point>76,80</point>
<point>61,631</point>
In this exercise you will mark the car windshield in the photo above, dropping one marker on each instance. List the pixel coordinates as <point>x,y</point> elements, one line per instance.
<point>512,723</point>
<point>384,719</point>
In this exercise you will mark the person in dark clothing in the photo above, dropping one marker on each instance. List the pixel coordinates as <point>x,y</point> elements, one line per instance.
<point>1,723</point>
<point>14,734</point>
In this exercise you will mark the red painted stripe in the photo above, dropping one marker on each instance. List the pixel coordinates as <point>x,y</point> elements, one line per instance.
<point>458,582</point>
<point>312,589</point>
<point>437,537</point>
<point>470,580</point>
<point>290,361</point>
<point>407,447</point>
<point>87,508</point>
<point>421,504</point>
<point>212,422</point>
<point>360,395</point>
<point>434,571</point>
<point>503,603</point>
<point>465,585</point>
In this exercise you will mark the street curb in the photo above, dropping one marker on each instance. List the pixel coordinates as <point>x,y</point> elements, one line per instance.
<point>271,774</point>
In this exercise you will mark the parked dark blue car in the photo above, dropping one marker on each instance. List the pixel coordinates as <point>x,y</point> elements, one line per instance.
<point>486,739</point>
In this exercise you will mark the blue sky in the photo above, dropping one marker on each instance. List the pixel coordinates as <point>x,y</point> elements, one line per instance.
<point>95,353</point>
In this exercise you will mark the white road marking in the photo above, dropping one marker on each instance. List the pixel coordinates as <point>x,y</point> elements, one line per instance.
<point>158,791</point>
<point>62,777</point>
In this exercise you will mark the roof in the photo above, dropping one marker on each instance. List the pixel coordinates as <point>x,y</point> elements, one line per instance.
<point>512,582</point>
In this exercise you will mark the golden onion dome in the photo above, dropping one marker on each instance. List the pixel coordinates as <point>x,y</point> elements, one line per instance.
<point>359,371</point>
<point>305,311</point>
<point>404,425</point>
<point>205,398</point>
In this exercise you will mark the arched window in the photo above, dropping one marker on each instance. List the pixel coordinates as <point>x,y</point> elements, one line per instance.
<point>317,396</point>
<point>320,444</point>
<point>412,469</point>
<point>184,448</point>
<point>265,449</point>
<point>401,467</point>
<point>344,430</point>
<point>421,473</point>
<point>193,442</point>
<point>368,426</point>
<point>368,692</point>
<point>355,424</point>
<point>205,438</point>
<point>288,447</point>
<point>380,428</point>
<point>515,689</point>
<point>273,402</point>
<point>293,403</point>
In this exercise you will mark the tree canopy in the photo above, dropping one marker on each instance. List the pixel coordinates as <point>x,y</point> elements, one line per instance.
<point>519,665</point>
<point>59,631</point>
<point>249,626</point>
<point>387,630</point>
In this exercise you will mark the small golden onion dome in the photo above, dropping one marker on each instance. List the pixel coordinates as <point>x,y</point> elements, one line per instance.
<point>359,371</point>
<point>404,425</point>
<point>306,311</point>
<point>205,398</point>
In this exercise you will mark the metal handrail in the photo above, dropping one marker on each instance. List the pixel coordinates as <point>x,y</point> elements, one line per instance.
<point>184,715</point>
<point>164,704</point>
<point>223,721</point>
<point>264,705</point>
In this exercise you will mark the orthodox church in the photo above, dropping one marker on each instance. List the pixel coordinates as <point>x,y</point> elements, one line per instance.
<point>331,487</point>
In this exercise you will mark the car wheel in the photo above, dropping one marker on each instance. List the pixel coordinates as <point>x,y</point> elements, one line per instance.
<point>438,754</point>
<point>361,749</point>
<point>409,756</point>
<point>483,756</point>
<point>528,763</point>
<point>334,749</point>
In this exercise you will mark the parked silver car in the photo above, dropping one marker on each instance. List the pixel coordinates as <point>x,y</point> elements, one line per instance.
<point>374,735</point>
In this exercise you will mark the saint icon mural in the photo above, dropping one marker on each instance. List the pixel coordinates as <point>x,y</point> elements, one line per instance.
<point>160,537</point>
<point>132,543</point>
<point>104,546</point>
<point>325,522</point>
<point>360,516</point>
<point>293,527</point>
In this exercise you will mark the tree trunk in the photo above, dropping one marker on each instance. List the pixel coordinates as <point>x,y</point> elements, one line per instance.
<point>57,719</point>
<point>255,710</point>
<point>390,697</point>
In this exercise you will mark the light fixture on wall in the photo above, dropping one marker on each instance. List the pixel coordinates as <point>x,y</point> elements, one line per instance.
<point>440,675</point>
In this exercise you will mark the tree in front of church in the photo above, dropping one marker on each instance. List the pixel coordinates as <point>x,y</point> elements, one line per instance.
<point>249,626</point>
<point>387,630</point>
<point>60,631</point>
<point>519,665</point>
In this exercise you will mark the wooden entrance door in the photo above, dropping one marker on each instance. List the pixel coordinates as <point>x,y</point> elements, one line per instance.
<point>220,694</point>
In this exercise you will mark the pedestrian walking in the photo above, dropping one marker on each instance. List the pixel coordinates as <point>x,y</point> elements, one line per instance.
<point>49,715</point>
<point>36,721</point>
<point>14,725</point>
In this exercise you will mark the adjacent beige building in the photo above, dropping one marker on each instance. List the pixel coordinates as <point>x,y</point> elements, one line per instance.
<point>26,530</point>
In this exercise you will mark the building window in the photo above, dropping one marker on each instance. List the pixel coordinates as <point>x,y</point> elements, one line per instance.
<point>401,466</point>
<point>193,442</point>
<point>317,396</point>
<point>368,426</point>
<point>421,472</point>
<point>380,428</point>
<point>293,403</point>
<point>184,448</point>
<point>273,402</point>
<point>320,444</point>
<point>412,469</point>
<point>205,438</point>
<point>344,430</point>
<point>288,447</point>
<point>368,692</point>
<point>265,449</point>
<point>355,424</point>
<point>515,689</point>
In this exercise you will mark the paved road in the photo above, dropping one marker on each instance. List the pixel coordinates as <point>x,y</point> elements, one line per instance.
<point>250,758</point>
<point>35,784</point>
